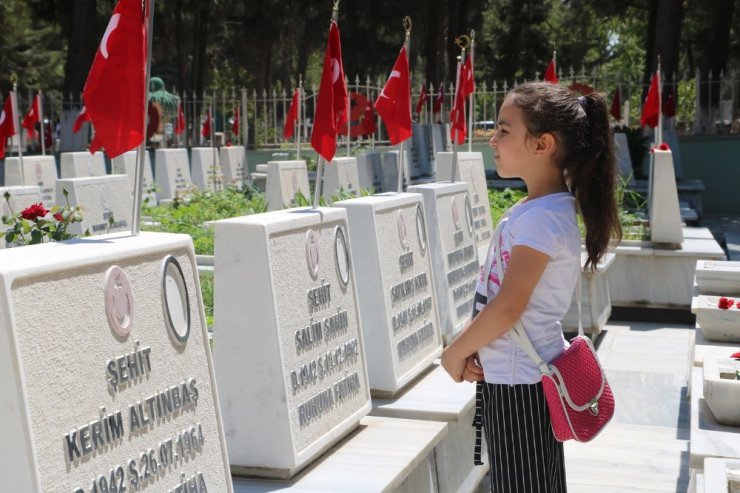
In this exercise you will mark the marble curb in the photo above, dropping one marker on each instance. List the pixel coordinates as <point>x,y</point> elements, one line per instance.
<point>721,325</point>
<point>722,394</point>
<point>716,480</point>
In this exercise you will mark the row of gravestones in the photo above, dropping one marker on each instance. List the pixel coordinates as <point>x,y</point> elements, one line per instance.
<point>715,378</point>
<point>106,380</point>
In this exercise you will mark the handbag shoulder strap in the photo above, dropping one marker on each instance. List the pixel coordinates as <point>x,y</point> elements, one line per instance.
<point>518,334</point>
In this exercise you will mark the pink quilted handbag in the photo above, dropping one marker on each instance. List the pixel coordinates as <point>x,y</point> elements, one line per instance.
<point>580,399</point>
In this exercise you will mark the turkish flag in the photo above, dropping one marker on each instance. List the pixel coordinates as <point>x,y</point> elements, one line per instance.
<point>551,75</point>
<point>180,121</point>
<point>368,119</point>
<point>8,122</point>
<point>422,100</point>
<point>206,130</point>
<point>458,127</point>
<point>32,117</point>
<point>292,116</point>
<point>82,117</point>
<point>651,108</point>
<point>331,107</point>
<point>235,124</point>
<point>439,99</point>
<point>616,109</point>
<point>467,83</point>
<point>669,107</point>
<point>394,102</point>
<point>114,91</point>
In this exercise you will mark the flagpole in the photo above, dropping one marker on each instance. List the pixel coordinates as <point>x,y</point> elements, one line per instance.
<point>16,123</point>
<point>320,166</point>
<point>139,182</point>
<point>407,43</point>
<point>472,94</point>
<point>659,128</point>
<point>298,120</point>
<point>41,119</point>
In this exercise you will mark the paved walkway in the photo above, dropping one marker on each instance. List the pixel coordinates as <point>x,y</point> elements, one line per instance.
<point>645,448</point>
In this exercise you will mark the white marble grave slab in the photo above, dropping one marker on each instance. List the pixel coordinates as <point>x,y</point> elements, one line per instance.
<point>721,476</point>
<point>665,214</point>
<point>394,287</point>
<point>289,347</point>
<point>205,168</point>
<point>385,454</point>
<point>366,170</point>
<point>125,164</point>
<point>722,394</point>
<point>20,198</point>
<point>172,172</point>
<point>40,171</point>
<point>81,164</point>
<point>717,324</point>
<point>233,165</point>
<point>284,180</point>
<point>105,367</point>
<point>471,170</point>
<point>708,437</point>
<point>704,349</point>
<point>341,174</point>
<point>451,240</point>
<point>720,278</point>
<point>101,198</point>
<point>436,397</point>
<point>596,305</point>
<point>624,161</point>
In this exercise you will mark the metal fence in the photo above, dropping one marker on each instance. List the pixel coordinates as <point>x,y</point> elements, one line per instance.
<point>703,106</point>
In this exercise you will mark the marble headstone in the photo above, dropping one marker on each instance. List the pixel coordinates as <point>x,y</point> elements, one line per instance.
<point>341,175</point>
<point>106,379</point>
<point>471,170</point>
<point>205,170</point>
<point>40,171</point>
<point>665,214</point>
<point>366,170</point>
<point>81,164</point>
<point>20,198</point>
<point>441,138</point>
<point>172,172</point>
<point>422,151</point>
<point>101,198</point>
<point>720,278</point>
<point>389,170</point>
<point>671,138</point>
<point>289,350</point>
<point>453,251</point>
<point>284,180</point>
<point>233,165</point>
<point>624,161</point>
<point>394,287</point>
<point>125,164</point>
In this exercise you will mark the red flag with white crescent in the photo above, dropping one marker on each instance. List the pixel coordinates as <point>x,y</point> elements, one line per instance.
<point>82,117</point>
<point>551,75</point>
<point>292,116</point>
<point>206,130</point>
<point>180,122</point>
<point>333,100</point>
<point>32,117</point>
<point>235,124</point>
<point>114,91</point>
<point>616,109</point>
<point>8,122</point>
<point>394,102</point>
<point>651,108</point>
<point>422,99</point>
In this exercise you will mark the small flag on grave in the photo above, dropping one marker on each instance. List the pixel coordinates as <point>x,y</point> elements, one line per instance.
<point>292,116</point>
<point>8,123</point>
<point>651,108</point>
<point>394,102</point>
<point>32,117</point>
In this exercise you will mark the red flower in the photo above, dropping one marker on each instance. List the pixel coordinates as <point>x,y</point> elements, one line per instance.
<point>725,303</point>
<point>58,216</point>
<point>735,356</point>
<point>662,147</point>
<point>34,211</point>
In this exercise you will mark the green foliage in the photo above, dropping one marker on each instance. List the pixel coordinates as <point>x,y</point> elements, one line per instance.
<point>35,224</point>
<point>190,213</point>
<point>501,200</point>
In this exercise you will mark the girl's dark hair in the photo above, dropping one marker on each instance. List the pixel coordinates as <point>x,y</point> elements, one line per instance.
<point>585,153</point>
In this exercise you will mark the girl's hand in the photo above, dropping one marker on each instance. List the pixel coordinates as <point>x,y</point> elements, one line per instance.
<point>473,371</point>
<point>455,367</point>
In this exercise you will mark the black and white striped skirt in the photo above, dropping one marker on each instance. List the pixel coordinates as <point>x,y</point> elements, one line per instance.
<point>522,451</point>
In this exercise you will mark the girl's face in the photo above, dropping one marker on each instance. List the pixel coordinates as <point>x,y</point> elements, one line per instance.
<point>511,143</point>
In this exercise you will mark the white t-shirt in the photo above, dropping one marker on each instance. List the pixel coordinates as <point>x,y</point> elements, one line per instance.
<point>547,224</point>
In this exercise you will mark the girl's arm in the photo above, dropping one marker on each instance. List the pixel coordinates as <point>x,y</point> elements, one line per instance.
<point>525,268</point>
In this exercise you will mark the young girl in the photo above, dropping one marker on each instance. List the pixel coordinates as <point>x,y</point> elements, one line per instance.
<point>559,144</point>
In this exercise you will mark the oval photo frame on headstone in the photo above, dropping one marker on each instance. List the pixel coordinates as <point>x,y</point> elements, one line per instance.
<point>341,256</point>
<point>175,300</point>
<point>421,229</point>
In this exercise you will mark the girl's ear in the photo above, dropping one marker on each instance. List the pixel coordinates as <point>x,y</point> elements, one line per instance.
<point>546,145</point>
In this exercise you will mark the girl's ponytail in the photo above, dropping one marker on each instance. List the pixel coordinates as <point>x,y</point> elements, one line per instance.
<point>594,179</point>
